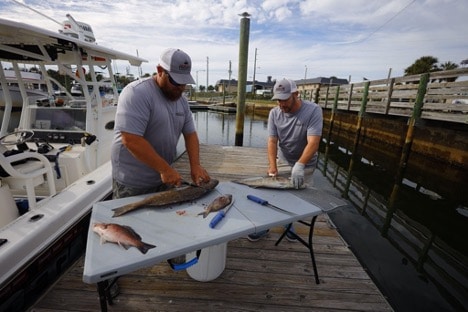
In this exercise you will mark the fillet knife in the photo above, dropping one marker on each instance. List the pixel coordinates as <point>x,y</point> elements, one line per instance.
<point>263,202</point>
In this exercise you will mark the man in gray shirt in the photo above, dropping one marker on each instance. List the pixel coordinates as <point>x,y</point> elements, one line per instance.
<point>151,116</point>
<point>294,129</point>
<point>295,126</point>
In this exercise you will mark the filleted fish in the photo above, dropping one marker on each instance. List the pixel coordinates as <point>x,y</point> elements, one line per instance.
<point>217,204</point>
<point>172,196</point>
<point>269,182</point>
<point>122,235</point>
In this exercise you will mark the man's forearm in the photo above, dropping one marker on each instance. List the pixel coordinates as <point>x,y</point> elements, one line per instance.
<point>310,149</point>
<point>192,145</point>
<point>144,152</point>
<point>272,150</point>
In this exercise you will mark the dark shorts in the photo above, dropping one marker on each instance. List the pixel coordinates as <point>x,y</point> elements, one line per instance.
<point>120,190</point>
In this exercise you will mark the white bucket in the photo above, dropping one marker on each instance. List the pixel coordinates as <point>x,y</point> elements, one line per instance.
<point>211,263</point>
<point>8,209</point>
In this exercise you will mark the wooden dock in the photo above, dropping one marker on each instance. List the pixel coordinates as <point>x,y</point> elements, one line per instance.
<point>258,276</point>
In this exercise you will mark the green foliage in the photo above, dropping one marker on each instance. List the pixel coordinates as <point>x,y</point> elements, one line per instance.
<point>448,66</point>
<point>427,64</point>
<point>424,64</point>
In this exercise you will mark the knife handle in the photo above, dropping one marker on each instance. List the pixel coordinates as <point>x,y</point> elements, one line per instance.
<point>257,200</point>
<point>218,217</point>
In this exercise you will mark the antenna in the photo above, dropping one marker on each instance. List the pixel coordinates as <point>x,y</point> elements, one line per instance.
<point>140,72</point>
<point>36,11</point>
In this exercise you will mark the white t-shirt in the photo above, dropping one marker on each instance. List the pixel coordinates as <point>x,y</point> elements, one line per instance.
<point>144,110</point>
<point>292,130</point>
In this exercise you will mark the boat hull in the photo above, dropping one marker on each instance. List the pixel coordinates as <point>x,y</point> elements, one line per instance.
<point>43,242</point>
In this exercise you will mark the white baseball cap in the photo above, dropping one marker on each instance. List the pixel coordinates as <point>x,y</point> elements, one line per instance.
<point>283,89</point>
<point>178,64</point>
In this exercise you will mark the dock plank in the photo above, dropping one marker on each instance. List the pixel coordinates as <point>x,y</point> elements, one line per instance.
<point>258,276</point>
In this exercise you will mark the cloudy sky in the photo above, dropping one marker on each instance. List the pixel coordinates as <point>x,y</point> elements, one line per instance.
<point>293,38</point>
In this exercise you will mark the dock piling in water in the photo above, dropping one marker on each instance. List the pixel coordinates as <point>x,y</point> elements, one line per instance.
<point>243,58</point>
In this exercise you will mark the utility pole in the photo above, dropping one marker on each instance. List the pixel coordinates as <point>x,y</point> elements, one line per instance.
<point>197,86</point>
<point>255,67</point>
<point>229,72</point>
<point>207,71</point>
<point>242,76</point>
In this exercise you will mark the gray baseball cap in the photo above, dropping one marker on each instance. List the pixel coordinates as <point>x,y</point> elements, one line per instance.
<point>283,89</point>
<point>178,64</point>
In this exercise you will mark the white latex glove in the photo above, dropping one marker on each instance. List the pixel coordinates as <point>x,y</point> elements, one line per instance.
<point>297,175</point>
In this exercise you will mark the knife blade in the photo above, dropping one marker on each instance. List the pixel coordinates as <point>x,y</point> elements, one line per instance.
<point>263,202</point>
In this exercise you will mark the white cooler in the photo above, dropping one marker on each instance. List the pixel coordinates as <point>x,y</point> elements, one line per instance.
<point>210,265</point>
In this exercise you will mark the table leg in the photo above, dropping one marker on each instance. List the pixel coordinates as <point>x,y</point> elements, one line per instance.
<point>107,290</point>
<point>101,286</point>
<point>307,244</point>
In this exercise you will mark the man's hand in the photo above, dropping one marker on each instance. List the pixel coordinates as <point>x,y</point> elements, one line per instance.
<point>199,175</point>
<point>297,175</point>
<point>272,171</point>
<point>171,177</point>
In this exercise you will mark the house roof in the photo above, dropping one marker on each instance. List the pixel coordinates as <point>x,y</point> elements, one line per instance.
<point>322,81</point>
<point>270,84</point>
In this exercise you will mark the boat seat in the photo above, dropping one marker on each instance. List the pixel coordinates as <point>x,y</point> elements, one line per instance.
<point>8,209</point>
<point>31,170</point>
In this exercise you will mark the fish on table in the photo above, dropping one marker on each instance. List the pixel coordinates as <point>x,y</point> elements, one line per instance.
<point>121,235</point>
<point>169,197</point>
<point>217,204</point>
<point>276,182</point>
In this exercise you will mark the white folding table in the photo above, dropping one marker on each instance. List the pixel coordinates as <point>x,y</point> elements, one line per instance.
<point>178,229</point>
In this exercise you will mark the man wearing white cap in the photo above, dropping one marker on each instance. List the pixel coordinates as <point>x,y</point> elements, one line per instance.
<point>151,116</point>
<point>294,129</point>
<point>295,126</point>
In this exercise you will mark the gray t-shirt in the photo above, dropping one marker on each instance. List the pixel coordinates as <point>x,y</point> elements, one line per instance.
<point>144,110</point>
<point>292,130</point>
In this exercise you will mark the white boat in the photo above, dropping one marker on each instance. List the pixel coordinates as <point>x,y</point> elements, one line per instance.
<point>34,88</point>
<point>57,162</point>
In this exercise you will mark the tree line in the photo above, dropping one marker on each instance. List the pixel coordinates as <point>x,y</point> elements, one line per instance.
<point>427,64</point>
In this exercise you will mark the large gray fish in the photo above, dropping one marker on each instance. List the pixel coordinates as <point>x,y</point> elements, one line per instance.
<point>172,196</point>
<point>269,182</point>
<point>217,204</point>
<point>121,235</point>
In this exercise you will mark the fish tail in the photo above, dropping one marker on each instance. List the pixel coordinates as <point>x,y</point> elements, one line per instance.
<point>123,210</point>
<point>144,247</point>
<point>203,213</point>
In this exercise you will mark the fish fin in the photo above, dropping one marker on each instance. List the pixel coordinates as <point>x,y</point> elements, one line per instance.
<point>124,245</point>
<point>145,247</point>
<point>132,231</point>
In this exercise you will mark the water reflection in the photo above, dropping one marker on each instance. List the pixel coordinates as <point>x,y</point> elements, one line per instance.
<point>220,129</point>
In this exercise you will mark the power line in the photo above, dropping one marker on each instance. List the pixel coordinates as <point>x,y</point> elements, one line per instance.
<point>384,24</point>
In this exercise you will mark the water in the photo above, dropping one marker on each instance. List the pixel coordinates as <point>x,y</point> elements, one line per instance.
<point>389,261</point>
<point>220,129</point>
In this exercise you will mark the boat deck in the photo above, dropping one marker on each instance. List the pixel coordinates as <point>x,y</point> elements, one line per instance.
<point>259,276</point>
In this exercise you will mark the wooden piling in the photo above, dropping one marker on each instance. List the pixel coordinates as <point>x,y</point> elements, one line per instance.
<point>391,208</point>
<point>243,59</point>
<point>362,111</point>
<point>330,130</point>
